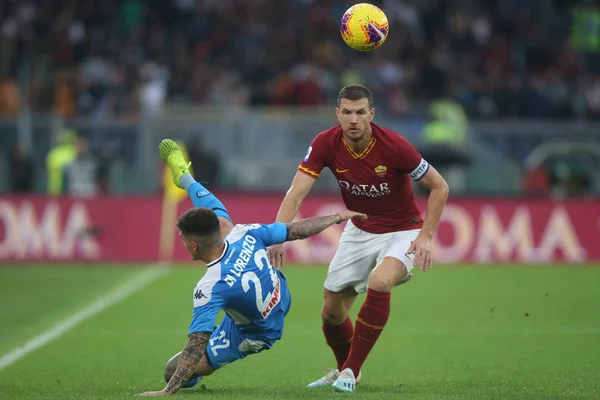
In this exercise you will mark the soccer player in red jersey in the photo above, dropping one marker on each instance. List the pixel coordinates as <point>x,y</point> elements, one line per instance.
<point>373,167</point>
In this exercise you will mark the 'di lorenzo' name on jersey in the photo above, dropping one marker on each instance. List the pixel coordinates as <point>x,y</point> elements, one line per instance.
<point>241,262</point>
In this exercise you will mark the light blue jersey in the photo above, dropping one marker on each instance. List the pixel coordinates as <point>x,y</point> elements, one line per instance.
<point>253,294</point>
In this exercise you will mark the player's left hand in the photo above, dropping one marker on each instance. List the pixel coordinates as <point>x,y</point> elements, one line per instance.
<point>158,393</point>
<point>421,248</point>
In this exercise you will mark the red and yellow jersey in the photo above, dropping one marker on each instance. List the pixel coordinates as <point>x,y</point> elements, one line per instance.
<point>376,181</point>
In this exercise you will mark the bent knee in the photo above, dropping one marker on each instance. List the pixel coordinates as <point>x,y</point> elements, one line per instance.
<point>202,369</point>
<point>169,372</point>
<point>333,318</point>
<point>383,284</point>
<point>386,275</point>
<point>333,315</point>
<point>171,366</point>
<point>336,305</point>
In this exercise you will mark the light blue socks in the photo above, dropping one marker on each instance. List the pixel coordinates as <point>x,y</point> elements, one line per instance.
<point>201,197</point>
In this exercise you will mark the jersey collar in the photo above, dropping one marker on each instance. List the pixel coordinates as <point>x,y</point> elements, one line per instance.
<point>218,260</point>
<point>362,154</point>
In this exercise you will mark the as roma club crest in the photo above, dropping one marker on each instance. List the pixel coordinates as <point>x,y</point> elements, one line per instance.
<point>381,170</point>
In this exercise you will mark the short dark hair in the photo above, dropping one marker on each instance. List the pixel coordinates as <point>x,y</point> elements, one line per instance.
<point>355,92</point>
<point>199,222</point>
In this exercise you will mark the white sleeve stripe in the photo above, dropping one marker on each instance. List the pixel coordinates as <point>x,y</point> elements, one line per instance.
<point>419,172</point>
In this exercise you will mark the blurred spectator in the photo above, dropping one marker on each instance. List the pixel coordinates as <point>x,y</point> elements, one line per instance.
<point>585,32</point>
<point>58,158</point>
<point>591,91</point>
<point>444,137</point>
<point>97,77</point>
<point>119,57</point>
<point>537,182</point>
<point>64,95</point>
<point>20,171</point>
<point>561,169</point>
<point>131,15</point>
<point>568,179</point>
<point>9,96</point>
<point>81,175</point>
<point>206,164</point>
<point>153,90</point>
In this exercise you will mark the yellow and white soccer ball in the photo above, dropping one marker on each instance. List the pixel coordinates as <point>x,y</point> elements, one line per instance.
<point>364,27</point>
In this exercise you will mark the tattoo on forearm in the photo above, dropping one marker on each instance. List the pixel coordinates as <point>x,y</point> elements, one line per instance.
<point>311,226</point>
<point>190,356</point>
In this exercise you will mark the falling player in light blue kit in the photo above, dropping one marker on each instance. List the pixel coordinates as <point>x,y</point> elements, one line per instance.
<point>239,280</point>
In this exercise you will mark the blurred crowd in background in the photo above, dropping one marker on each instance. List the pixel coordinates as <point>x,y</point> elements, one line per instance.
<point>498,58</point>
<point>105,68</point>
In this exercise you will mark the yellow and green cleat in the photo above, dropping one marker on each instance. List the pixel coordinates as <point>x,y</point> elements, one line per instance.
<point>171,154</point>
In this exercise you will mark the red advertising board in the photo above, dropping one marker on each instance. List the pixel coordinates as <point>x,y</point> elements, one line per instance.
<point>122,229</point>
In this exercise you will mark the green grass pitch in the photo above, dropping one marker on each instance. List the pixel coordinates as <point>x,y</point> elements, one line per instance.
<point>456,332</point>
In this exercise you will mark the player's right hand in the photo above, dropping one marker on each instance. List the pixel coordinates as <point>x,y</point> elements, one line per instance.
<point>347,214</point>
<point>276,255</point>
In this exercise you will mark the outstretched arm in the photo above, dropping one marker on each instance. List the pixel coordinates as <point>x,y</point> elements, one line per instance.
<point>308,227</point>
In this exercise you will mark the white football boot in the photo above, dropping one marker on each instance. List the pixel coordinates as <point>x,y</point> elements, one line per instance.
<point>328,379</point>
<point>345,381</point>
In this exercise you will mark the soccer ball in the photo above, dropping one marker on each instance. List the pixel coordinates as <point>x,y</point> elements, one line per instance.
<point>364,27</point>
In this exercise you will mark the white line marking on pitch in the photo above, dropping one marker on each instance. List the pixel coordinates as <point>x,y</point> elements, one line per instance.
<point>136,283</point>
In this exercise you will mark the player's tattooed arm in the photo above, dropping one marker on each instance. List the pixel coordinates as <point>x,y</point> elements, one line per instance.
<point>311,226</point>
<point>189,359</point>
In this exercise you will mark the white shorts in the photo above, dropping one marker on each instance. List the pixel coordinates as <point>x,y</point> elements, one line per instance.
<point>359,252</point>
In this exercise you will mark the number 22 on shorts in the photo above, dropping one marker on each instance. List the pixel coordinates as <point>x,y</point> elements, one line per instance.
<point>224,345</point>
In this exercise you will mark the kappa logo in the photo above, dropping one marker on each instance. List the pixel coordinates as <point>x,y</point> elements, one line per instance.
<point>381,170</point>
<point>198,295</point>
